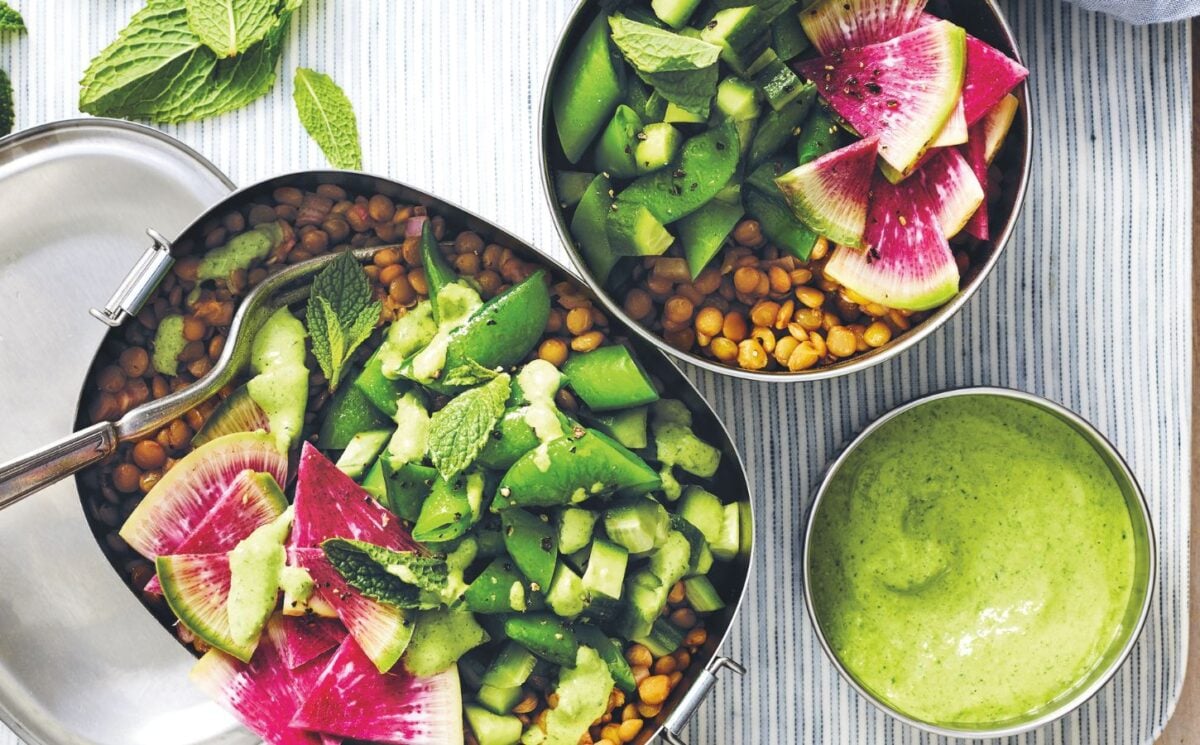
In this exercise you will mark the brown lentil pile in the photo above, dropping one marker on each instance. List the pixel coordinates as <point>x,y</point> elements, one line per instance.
<point>314,223</point>
<point>761,309</point>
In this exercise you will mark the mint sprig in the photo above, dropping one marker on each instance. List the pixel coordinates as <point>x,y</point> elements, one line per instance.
<point>459,431</point>
<point>652,49</point>
<point>403,580</point>
<point>10,19</point>
<point>342,313</point>
<point>230,27</point>
<point>328,116</point>
<point>7,112</point>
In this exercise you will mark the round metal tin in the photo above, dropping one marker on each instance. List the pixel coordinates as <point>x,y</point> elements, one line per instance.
<point>1146,554</point>
<point>78,653</point>
<point>982,18</point>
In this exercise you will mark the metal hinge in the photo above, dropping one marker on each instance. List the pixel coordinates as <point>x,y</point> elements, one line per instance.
<point>695,696</point>
<point>151,267</point>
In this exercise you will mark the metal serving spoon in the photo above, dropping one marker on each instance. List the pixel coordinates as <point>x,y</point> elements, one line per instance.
<point>25,475</point>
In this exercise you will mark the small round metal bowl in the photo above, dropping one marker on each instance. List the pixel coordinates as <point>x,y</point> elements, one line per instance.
<point>982,19</point>
<point>1144,574</point>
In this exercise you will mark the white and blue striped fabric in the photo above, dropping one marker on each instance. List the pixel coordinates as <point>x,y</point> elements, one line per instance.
<point>1089,306</point>
<point>1144,11</point>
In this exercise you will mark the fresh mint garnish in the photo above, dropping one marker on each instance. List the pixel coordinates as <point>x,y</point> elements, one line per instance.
<point>459,431</point>
<point>403,580</point>
<point>10,19</point>
<point>7,112</point>
<point>158,69</point>
<point>469,372</point>
<point>652,49</point>
<point>342,313</point>
<point>691,90</point>
<point>328,116</point>
<point>230,27</point>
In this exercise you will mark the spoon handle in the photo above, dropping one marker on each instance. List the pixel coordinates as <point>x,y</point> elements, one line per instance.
<point>21,477</point>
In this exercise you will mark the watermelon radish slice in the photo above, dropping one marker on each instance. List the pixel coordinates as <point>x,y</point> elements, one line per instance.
<point>994,126</point>
<point>237,413</point>
<point>953,187</point>
<point>383,632</point>
<point>252,499</point>
<point>263,694</point>
<point>830,193</point>
<point>903,90</point>
<point>833,25</point>
<point>909,264</point>
<point>976,156</point>
<point>990,74</point>
<point>353,700</point>
<point>196,588</point>
<point>329,504</point>
<point>302,639</point>
<point>955,131</point>
<point>178,503</point>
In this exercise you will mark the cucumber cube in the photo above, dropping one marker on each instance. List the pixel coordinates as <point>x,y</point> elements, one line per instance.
<point>362,450</point>
<point>606,569</point>
<point>701,595</point>
<point>566,596</point>
<point>575,527</point>
<point>633,230</point>
<point>658,144</point>
<point>704,510</point>
<point>725,547</point>
<point>615,149</point>
<point>491,728</point>
<point>779,84</point>
<point>676,114</point>
<point>742,33</point>
<point>674,13</point>
<point>737,99</point>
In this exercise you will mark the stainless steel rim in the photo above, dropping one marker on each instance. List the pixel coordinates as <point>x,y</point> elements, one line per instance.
<point>1107,449</point>
<point>854,364</point>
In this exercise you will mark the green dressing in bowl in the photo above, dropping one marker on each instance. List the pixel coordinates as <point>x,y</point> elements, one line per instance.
<point>972,560</point>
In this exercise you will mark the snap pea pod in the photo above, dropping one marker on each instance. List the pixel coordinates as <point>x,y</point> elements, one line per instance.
<point>587,227</point>
<point>588,87</point>
<point>819,135</point>
<point>532,543</point>
<point>609,378</point>
<point>438,272</point>
<point>779,127</point>
<point>572,469</point>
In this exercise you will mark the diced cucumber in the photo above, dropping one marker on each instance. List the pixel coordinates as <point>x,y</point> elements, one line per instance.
<point>664,638</point>
<point>779,84</point>
<point>362,450</point>
<point>566,596</point>
<point>647,596</point>
<point>609,651</point>
<point>588,227</point>
<point>656,107</point>
<point>588,87</point>
<point>511,668</point>
<point>737,100</point>
<point>819,136</point>
<point>605,569</point>
<point>532,542</point>
<point>746,524</point>
<point>676,114</point>
<point>575,526</point>
<point>672,560</point>
<point>451,508</point>
<point>350,412</point>
<point>626,426</point>
<point>787,36</point>
<point>375,483</point>
<point>703,233</point>
<point>780,127</point>
<point>490,728</point>
<point>633,230</point>
<point>569,186</point>
<point>700,558</point>
<point>609,378</point>
<point>701,595</point>
<point>604,610</point>
<point>728,540</point>
<point>615,148</point>
<point>471,669</point>
<point>499,700</point>
<point>704,510</point>
<point>407,488</point>
<point>379,389</point>
<point>742,33</point>
<point>658,144</point>
<point>636,525</point>
<point>499,589</point>
<point>545,636</point>
<point>674,13</point>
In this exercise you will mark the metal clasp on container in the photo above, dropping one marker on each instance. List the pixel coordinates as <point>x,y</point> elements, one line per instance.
<point>695,696</point>
<point>145,275</point>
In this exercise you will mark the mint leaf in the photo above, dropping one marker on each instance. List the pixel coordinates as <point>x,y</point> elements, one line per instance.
<point>7,113</point>
<point>341,315</point>
<point>469,372</point>
<point>157,69</point>
<point>458,432</point>
<point>652,49</point>
<point>691,90</point>
<point>230,27</point>
<point>399,579</point>
<point>328,116</point>
<point>10,19</point>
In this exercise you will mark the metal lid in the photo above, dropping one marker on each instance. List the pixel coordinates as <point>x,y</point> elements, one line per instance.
<point>78,652</point>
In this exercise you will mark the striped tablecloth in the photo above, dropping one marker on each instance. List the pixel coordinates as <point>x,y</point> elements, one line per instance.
<point>1089,306</point>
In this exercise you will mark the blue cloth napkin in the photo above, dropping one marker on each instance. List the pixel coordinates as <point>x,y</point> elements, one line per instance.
<point>1144,11</point>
